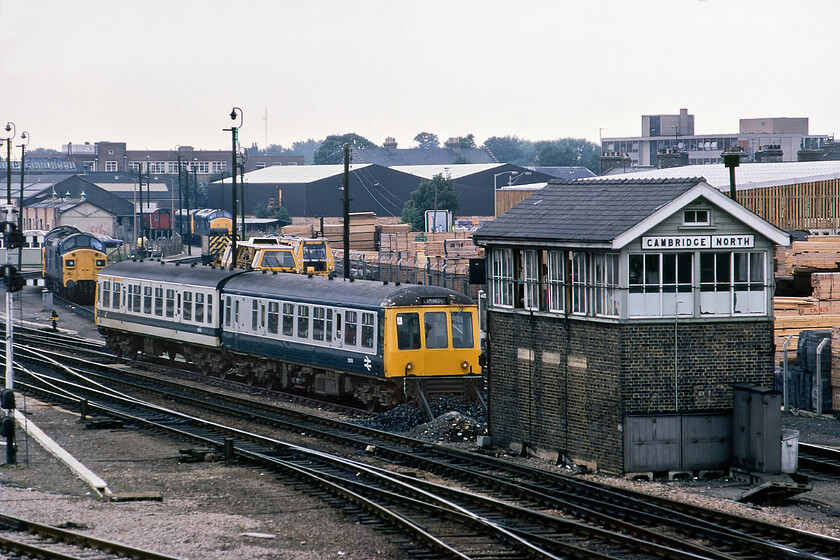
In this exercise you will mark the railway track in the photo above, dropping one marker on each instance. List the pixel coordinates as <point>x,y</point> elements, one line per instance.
<point>819,458</point>
<point>22,539</point>
<point>655,525</point>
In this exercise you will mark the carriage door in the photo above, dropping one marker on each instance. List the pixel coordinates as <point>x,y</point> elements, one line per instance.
<point>409,344</point>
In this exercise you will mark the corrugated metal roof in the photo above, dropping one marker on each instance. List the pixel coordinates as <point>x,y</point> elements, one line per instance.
<point>452,171</point>
<point>747,175</point>
<point>294,173</point>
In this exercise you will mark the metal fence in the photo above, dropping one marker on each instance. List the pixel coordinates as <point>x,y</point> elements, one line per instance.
<point>394,267</point>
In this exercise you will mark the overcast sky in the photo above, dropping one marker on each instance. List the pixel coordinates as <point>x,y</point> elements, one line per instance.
<point>161,73</point>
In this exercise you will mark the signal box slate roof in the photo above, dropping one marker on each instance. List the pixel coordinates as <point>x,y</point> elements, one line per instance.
<point>608,213</point>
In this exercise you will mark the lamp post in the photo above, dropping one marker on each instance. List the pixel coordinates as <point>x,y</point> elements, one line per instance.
<point>233,131</point>
<point>180,203</point>
<point>23,136</point>
<point>10,127</point>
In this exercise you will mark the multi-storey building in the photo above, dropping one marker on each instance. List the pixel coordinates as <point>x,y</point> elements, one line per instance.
<point>113,157</point>
<point>669,134</point>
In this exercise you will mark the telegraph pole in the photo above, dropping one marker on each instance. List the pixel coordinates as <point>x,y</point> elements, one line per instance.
<point>347,210</point>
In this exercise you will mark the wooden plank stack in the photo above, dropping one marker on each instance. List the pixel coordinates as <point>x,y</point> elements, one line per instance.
<point>820,252</point>
<point>300,230</point>
<point>821,310</point>
<point>362,232</point>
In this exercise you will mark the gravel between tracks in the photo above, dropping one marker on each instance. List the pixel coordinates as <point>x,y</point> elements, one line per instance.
<point>211,510</point>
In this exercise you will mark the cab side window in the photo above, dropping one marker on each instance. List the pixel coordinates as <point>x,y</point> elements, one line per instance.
<point>408,331</point>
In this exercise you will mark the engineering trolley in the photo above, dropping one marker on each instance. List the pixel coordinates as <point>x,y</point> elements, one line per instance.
<point>370,341</point>
<point>71,262</point>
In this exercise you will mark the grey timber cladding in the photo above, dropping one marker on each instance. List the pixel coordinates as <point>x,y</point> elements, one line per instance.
<point>584,212</point>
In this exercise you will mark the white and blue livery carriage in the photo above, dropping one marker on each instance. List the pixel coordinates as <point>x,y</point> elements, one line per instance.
<point>341,338</point>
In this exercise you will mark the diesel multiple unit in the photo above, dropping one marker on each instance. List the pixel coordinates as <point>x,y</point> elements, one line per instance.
<point>366,340</point>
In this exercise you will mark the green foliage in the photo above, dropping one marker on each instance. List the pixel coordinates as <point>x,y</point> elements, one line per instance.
<point>331,150</point>
<point>467,141</point>
<point>304,148</point>
<point>427,141</point>
<point>414,211</point>
<point>562,152</point>
<point>281,213</point>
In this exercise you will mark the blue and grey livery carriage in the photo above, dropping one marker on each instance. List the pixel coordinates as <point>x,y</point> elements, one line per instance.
<point>331,337</point>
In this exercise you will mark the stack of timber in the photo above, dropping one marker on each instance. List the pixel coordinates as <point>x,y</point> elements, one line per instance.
<point>299,230</point>
<point>397,238</point>
<point>820,310</point>
<point>820,253</point>
<point>362,232</point>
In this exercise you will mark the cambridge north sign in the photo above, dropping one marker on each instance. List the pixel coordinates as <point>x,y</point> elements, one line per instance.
<point>691,242</point>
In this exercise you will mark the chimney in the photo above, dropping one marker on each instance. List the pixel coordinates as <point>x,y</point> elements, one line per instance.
<point>454,144</point>
<point>390,144</point>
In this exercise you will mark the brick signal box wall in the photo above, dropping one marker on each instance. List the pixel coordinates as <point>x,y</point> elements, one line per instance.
<point>564,386</point>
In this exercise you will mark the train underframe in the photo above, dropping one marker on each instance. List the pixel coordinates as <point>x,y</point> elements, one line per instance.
<point>83,292</point>
<point>259,371</point>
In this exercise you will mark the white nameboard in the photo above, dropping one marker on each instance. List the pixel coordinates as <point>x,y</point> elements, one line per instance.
<point>692,242</point>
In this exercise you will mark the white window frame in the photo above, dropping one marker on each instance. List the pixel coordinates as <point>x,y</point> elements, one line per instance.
<point>581,283</point>
<point>556,281</point>
<point>531,279</point>
<point>501,278</point>
<point>606,275</point>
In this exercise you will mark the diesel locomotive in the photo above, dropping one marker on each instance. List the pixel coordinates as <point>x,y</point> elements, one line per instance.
<point>370,341</point>
<point>70,263</point>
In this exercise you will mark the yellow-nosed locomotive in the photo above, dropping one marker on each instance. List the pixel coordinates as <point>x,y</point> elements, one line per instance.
<point>71,262</point>
<point>367,340</point>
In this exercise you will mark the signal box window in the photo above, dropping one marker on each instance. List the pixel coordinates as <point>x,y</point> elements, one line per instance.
<point>435,327</point>
<point>462,333</point>
<point>408,331</point>
<point>696,217</point>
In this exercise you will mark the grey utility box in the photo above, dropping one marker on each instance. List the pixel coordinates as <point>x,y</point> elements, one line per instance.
<point>757,429</point>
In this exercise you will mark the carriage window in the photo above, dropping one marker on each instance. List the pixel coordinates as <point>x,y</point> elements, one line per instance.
<point>303,321</point>
<point>187,313</point>
<point>199,308</point>
<point>408,331</point>
<point>255,314</point>
<point>159,301</point>
<point>227,311</point>
<point>329,324</point>
<point>147,300</point>
<point>350,328</point>
<point>115,295</point>
<point>106,294</point>
<point>135,298</point>
<point>367,330</point>
<point>318,314</point>
<point>435,327</point>
<point>462,333</point>
<point>209,313</point>
<point>170,302</point>
<point>273,316</point>
<point>236,312</point>
<point>288,319</point>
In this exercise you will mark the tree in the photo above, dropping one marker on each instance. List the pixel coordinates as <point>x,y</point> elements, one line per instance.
<point>507,149</point>
<point>427,141</point>
<point>467,141</point>
<point>281,213</point>
<point>414,211</point>
<point>331,149</point>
